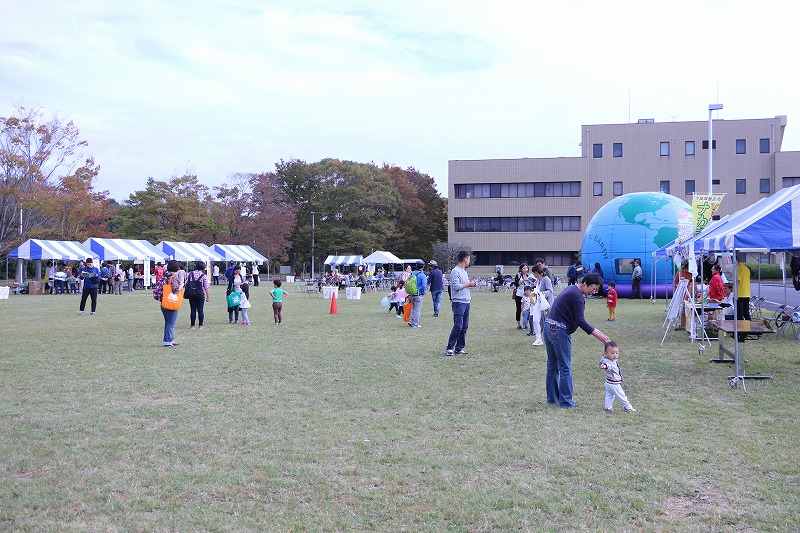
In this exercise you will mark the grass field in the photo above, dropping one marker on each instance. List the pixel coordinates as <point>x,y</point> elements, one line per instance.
<point>356,422</point>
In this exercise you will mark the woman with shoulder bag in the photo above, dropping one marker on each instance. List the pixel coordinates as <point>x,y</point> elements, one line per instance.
<point>197,293</point>
<point>520,280</point>
<point>168,292</point>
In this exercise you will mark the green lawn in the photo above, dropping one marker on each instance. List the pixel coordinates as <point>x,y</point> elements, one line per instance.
<point>355,421</point>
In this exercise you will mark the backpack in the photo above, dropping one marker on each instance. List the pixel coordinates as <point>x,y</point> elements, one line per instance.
<point>411,285</point>
<point>194,288</point>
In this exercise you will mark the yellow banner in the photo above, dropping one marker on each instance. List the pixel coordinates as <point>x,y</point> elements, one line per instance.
<point>704,207</point>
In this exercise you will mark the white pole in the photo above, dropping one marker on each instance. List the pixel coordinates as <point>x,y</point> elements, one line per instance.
<point>711,107</point>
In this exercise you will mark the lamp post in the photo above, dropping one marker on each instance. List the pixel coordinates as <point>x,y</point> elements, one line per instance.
<point>312,244</point>
<point>711,107</point>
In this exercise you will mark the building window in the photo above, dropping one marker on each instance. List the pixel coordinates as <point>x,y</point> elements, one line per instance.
<point>665,149</point>
<point>597,151</point>
<point>689,147</point>
<point>763,185</point>
<point>741,146</point>
<point>617,188</point>
<point>516,224</point>
<point>791,182</point>
<point>763,146</point>
<point>713,144</point>
<point>688,187</point>
<point>663,186</point>
<point>617,149</point>
<point>518,190</point>
<point>741,186</point>
<point>597,188</point>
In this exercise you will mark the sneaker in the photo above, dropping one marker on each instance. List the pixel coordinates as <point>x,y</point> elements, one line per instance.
<point>574,406</point>
<point>168,346</point>
<point>397,316</point>
<point>230,321</point>
<point>191,327</point>
<point>449,352</point>
<point>80,312</point>
<point>175,344</point>
<point>199,327</point>
<point>609,410</point>
<point>93,313</point>
<point>537,343</point>
<point>435,314</point>
<point>630,410</point>
<point>415,326</point>
<point>520,327</point>
<point>462,352</point>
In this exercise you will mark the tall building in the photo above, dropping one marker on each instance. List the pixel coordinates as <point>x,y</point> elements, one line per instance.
<point>514,210</point>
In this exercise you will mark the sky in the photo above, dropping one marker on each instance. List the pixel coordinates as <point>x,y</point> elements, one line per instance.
<point>214,88</point>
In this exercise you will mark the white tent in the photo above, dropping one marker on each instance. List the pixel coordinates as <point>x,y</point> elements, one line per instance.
<point>189,251</point>
<point>382,258</point>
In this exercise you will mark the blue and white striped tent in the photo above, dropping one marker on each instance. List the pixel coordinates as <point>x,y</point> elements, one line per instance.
<point>339,260</point>
<point>239,252</point>
<point>49,250</point>
<point>771,224</point>
<point>124,249</point>
<point>189,251</point>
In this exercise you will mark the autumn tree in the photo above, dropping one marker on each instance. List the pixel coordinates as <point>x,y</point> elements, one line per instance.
<point>39,160</point>
<point>273,218</point>
<point>422,216</point>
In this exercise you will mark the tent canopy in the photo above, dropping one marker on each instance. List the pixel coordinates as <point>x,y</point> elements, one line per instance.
<point>239,252</point>
<point>771,224</point>
<point>124,249</point>
<point>189,251</point>
<point>62,250</point>
<point>338,260</point>
<point>383,258</point>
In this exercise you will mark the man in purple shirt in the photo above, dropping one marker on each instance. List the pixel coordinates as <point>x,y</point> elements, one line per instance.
<point>565,317</point>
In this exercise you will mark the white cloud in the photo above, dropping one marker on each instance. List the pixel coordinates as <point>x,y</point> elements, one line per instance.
<point>225,87</point>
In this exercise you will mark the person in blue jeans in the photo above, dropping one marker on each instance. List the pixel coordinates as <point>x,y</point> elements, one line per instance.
<point>565,317</point>
<point>416,299</point>
<point>170,316</point>
<point>435,285</point>
<point>459,292</point>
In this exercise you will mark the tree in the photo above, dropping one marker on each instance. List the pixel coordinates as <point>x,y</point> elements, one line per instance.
<point>164,211</point>
<point>422,217</point>
<point>36,154</point>
<point>446,253</point>
<point>274,216</point>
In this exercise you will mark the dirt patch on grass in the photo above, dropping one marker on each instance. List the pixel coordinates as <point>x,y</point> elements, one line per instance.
<point>695,510</point>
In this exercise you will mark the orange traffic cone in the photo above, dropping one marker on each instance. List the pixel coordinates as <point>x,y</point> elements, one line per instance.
<point>334,309</point>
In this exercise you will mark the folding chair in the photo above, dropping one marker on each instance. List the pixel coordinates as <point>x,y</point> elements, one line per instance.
<point>756,304</point>
<point>789,321</point>
<point>776,319</point>
<point>311,288</point>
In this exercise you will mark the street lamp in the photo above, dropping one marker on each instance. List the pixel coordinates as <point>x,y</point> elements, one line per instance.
<point>711,107</point>
<point>312,244</point>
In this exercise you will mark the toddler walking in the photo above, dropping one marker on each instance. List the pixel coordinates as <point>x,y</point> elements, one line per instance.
<point>244,305</point>
<point>525,307</point>
<point>277,301</point>
<point>613,375</point>
<point>394,302</point>
<point>611,302</point>
<point>401,297</point>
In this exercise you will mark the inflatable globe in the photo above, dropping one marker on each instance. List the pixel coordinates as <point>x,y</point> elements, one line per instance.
<point>633,226</point>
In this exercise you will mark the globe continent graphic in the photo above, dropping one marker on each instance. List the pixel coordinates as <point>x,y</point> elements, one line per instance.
<point>632,226</point>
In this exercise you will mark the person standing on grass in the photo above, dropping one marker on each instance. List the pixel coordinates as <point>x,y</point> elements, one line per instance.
<point>255,274</point>
<point>175,280</point>
<point>459,292</point>
<point>197,301</point>
<point>522,279</point>
<point>566,316</point>
<point>436,285</point>
<point>742,289</point>
<point>416,299</point>
<point>90,275</point>
<point>613,374</point>
<point>611,302</point>
<point>277,295</point>
<point>636,280</point>
<point>234,285</point>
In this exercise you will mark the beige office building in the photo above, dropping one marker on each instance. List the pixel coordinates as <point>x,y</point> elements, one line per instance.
<point>514,210</point>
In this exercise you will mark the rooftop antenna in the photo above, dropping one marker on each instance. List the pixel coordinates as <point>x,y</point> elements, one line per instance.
<point>674,117</point>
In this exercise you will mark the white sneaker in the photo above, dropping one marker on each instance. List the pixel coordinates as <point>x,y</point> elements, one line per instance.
<point>80,312</point>
<point>537,342</point>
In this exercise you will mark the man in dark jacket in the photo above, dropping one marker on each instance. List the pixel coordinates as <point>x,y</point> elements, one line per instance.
<point>435,285</point>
